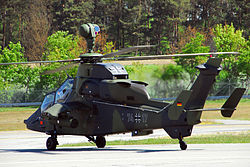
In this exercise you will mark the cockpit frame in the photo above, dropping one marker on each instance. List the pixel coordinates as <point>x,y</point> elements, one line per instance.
<point>58,96</point>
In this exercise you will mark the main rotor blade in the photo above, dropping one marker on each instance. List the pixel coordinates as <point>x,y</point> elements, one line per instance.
<point>59,68</point>
<point>127,50</point>
<point>166,56</point>
<point>40,62</point>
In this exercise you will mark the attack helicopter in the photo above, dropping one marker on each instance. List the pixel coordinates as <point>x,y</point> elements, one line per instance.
<point>101,100</point>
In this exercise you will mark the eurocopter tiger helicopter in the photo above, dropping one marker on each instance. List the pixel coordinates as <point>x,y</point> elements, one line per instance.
<point>102,100</point>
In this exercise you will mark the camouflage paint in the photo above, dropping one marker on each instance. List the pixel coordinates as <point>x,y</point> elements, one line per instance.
<point>104,101</point>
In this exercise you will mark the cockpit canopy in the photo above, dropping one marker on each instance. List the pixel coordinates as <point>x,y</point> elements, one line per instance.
<point>58,96</point>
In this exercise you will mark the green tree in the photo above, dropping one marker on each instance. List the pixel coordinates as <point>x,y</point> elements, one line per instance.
<point>168,72</point>
<point>3,84</point>
<point>164,45</point>
<point>194,46</point>
<point>205,14</point>
<point>170,80</point>
<point>23,76</point>
<point>108,48</point>
<point>68,15</point>
<point>228,39</point>
<point>243,63</point>
<point>167,15</point>
<point>111,17</point>
<point>60,46</point>
<point>136,71</point>
<point>237,12</point>
<point>12,20</point>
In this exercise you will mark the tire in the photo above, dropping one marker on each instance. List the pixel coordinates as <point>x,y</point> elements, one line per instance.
<point>183,145</point>
<point>100,142</point>
<point>51,143</point>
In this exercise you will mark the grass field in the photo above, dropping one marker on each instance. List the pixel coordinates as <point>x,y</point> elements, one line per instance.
<point>242,111</point>
<point>243,137</point>
<point>12,118</point>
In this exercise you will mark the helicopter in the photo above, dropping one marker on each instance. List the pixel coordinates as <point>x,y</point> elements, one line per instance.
<point>101,100</point>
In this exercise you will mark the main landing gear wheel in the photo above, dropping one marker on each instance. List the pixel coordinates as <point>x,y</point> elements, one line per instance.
<point>51,143</point>
<point>100,141</point>
<point>183,145</point>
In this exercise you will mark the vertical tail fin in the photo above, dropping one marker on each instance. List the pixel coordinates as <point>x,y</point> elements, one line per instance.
<point>195,97</point>
<point>201,88</point>
<point>203,83</point>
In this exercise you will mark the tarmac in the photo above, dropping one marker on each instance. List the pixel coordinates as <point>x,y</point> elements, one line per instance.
<point>207,155</point>
<point>22,148</point>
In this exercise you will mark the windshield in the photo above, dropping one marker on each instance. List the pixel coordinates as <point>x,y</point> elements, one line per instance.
<point>63,92</point>
<point>48,101</point>
<point>59,96</point>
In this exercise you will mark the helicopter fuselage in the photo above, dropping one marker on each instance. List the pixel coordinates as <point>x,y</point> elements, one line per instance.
<point>100,100</point>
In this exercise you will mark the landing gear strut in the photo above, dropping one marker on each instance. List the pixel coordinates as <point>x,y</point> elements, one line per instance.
<point>183,145</point>
<point>100,141</point>
<point>52,142</point>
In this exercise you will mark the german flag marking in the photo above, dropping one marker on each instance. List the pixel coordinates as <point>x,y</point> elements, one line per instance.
<point>179,104</point>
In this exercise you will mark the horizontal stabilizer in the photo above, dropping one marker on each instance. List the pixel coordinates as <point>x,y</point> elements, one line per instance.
<point>231,103</point>
<point>228,107</point>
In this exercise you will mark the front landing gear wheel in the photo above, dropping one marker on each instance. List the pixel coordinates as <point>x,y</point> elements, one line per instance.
<point>100,141</point>
<point>183,145</point>
<point>51,143</point>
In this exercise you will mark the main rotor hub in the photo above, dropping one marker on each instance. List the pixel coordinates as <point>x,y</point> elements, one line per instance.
<point>91,58</point>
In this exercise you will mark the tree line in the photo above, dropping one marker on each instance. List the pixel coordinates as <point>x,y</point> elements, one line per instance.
<point>125,22</point>
<point>48,30</point>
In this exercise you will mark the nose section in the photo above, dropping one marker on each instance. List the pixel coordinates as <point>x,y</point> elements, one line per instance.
<point>34,122</point>
<point>26,122</point>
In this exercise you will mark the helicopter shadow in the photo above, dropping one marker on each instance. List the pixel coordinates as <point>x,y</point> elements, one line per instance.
<point>90,149</point>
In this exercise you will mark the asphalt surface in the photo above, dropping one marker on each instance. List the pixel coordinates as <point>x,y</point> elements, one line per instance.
<point>206,155</point>
<point>22,148</point>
